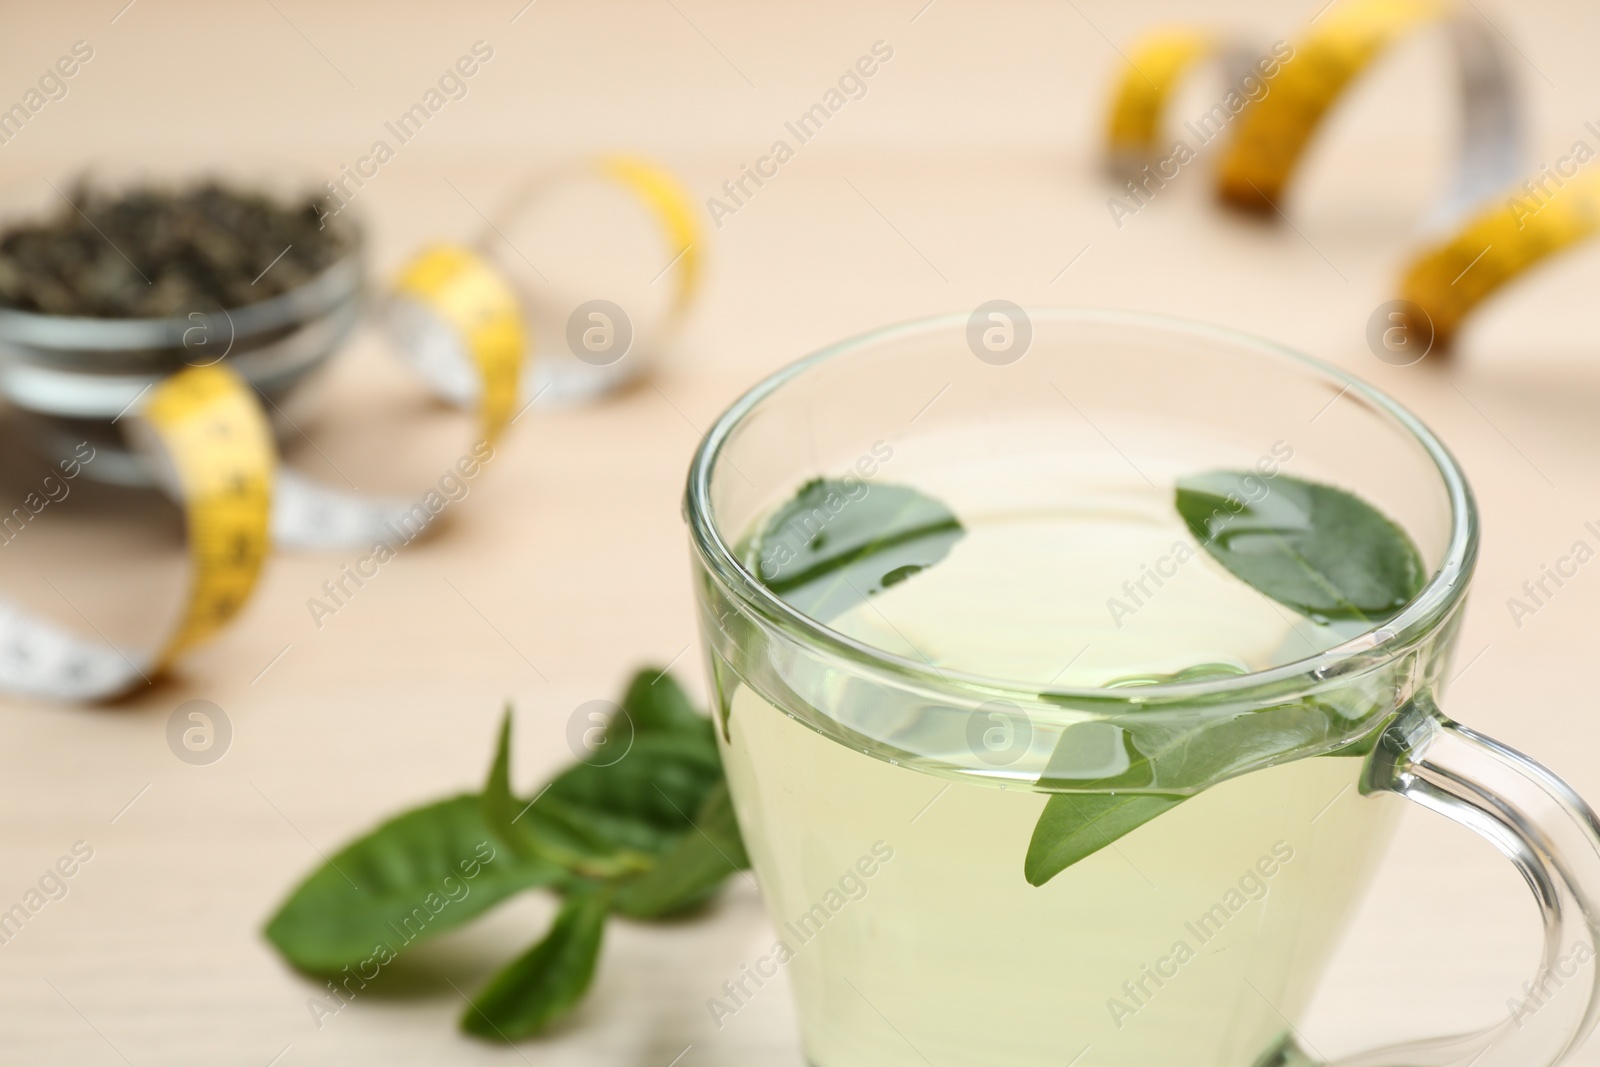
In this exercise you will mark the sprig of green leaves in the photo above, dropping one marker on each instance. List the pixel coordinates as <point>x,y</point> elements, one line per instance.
<point>646,836</point>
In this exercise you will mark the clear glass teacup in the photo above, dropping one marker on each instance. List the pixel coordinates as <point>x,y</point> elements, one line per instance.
<point>1218,825</point>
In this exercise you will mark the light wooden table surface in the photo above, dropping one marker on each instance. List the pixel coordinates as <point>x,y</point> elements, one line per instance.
<point>967,173</point>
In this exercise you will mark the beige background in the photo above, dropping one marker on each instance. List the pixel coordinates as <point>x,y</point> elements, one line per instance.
<point>969,172</point>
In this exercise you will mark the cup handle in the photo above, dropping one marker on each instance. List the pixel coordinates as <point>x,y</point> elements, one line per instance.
<point>1553,838</point>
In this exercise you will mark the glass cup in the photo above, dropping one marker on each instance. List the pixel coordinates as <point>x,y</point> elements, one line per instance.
<point>887,803</point>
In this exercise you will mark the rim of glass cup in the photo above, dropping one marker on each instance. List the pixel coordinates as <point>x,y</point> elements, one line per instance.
<point>1432,605</point>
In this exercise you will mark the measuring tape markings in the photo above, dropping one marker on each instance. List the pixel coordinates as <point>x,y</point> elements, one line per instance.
<point>1157,63</point>
<point>1451,278</point>
<point>203,428</point>
<point>469,295</point>
<point>1273,132</point>
<point>459,322</point>
<point>667,199</point>
<point>205,432</point>
<point>434,343</point>
<point>460,291</point>
<point>221,446</point>
<point>1273,135</point>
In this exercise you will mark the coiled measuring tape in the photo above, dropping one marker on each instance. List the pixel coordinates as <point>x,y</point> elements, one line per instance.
<point>483,367</point>
<point>205,431</point>
<point>1300,85</point>
<point>204,434</point>
<point>463,324</point>
<point>1158,62</point>
<point>569,368</point>
<point>1449,279</point>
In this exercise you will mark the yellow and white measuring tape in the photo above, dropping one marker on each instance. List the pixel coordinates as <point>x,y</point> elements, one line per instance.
<point>597,345</point>
<point>205,431</point>
<point>466,323</point>
<point>204,435</point>
<point>487,358</point>
<point>460,320</point>
<point>1268,124</point>
<point>1526,226</point>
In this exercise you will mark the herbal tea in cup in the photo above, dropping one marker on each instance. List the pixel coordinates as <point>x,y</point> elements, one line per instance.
<point>1066,693</point>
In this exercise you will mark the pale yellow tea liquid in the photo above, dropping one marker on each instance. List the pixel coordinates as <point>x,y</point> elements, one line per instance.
<point>901,910</point>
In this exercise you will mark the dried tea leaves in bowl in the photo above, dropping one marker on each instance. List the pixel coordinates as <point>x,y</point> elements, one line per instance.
<point>153,251</point>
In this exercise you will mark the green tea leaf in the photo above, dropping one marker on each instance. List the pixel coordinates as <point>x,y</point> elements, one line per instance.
<point>550,836</point>
<point>647,797</point>
<point>645,823</point>
<point>838,541</point>
<point>1319,550</point>
<point>500,807</point>
<point>608,820</point>
<point>1075,825</point>
<point>1214,748</point>
<point>544,983</point>
<point>655,703</point>
<point>416,875</point>
<point>1120,777</point>
<point>695,867</point>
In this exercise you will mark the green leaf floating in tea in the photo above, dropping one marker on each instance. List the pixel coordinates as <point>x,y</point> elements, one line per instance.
<point>1319,550</point>
<point>839,541</point>
<point>1075,825</point>
<point>1186,756</point>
